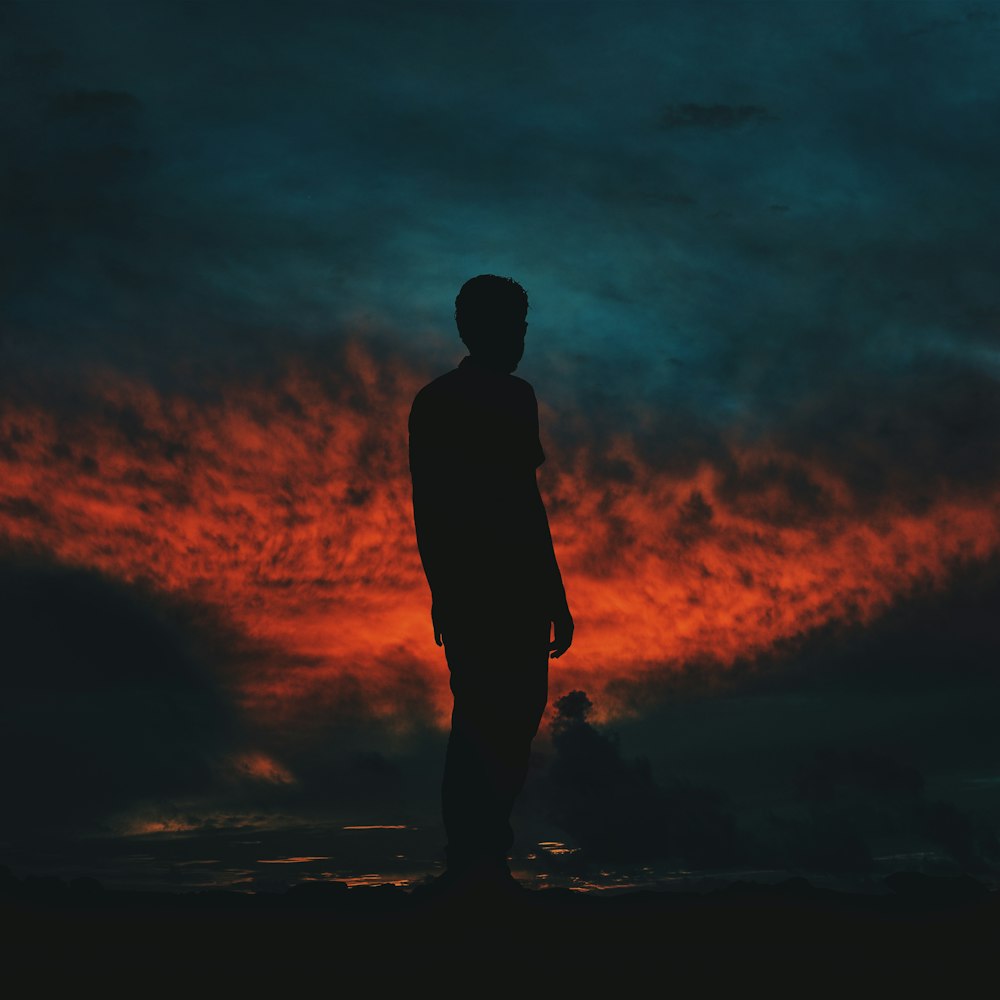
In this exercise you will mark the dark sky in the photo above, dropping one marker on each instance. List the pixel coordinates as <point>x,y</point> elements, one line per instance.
<point>777,196</point>
<point>759,242</point>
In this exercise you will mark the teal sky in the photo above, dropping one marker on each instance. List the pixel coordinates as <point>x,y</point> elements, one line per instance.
<point>730,208</point>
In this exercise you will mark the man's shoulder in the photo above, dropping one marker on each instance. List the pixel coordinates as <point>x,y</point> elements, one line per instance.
<point>523,385</point>
<point>453,392</point>
<point>442,384</point>
<point>437,389</point>
<point>434,400</point>
<point>454,383</point>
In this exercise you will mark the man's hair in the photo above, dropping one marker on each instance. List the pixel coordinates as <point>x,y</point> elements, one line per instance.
<point>486,303</point>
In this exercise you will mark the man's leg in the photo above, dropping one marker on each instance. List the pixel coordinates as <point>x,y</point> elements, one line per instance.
<point>500,684</point>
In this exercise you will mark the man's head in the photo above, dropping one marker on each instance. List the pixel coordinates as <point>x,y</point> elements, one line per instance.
<point>491,314</point>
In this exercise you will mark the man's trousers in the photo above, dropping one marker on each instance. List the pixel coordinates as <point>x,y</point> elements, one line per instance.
<point>499,677</point>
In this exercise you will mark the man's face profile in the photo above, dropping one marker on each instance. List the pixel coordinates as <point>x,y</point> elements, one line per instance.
<point>500,346</point>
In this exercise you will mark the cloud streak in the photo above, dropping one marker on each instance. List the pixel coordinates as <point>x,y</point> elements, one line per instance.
<point>284,505</point>
<point>713,115</point>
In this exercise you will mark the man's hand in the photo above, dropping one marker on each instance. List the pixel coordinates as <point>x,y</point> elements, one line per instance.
<point>562,622</point>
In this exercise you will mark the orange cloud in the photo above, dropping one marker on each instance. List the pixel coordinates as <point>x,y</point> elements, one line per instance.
<point>284,504</point>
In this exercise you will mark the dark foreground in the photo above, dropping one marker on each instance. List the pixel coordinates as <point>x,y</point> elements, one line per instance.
<point>948,925</point>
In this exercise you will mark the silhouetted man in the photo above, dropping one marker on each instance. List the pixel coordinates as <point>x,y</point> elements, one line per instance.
<point>498,602</point>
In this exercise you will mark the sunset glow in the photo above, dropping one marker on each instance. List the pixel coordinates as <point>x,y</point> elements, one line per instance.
<point>286,508</point>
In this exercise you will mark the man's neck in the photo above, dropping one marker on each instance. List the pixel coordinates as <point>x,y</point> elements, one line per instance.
<point>481,365</point>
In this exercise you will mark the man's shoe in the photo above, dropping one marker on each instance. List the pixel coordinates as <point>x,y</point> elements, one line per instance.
<point>486,883</point>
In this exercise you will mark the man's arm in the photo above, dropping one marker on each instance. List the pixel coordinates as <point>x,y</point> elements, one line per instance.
<point>559,611</point>
<point>431,521</point>
<point>432,543</point>
<point>555,591</point>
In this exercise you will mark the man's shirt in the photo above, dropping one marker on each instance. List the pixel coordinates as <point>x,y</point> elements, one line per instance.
<point>481,526</point>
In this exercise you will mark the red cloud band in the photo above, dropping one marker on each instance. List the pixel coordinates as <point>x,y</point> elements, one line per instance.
<point>286,507</point>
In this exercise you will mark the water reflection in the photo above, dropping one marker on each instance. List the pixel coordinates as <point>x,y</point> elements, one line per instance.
<point>273,860</point>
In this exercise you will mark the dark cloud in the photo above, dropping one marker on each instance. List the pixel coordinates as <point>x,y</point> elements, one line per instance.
<point>937,425</point>
<point>859,796</point>
<point>695,518</point>
<point>346,761</point>
<point>94,105</point>
<point>936,644</point>
<point>107,699</point>
<point>871,772</point>
<point>817,843</point>
<point>839,810</point>
<point>979,17</point>
<point>273,196</point>
<point>613,809</point>
<point>773,492</point>
<point>857,743</point>
<point>934,428</point>
<point>713,116</point>
<point>120,701</point>
<point>970,840</point>
<point>77,225</point>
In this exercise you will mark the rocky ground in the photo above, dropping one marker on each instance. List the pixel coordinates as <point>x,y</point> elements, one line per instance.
<point>925,923</point>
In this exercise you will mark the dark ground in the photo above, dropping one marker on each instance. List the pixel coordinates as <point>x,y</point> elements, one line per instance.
<point>946,925</point>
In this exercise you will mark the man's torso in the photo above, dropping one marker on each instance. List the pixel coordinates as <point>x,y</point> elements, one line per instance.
<point>474,449</point>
